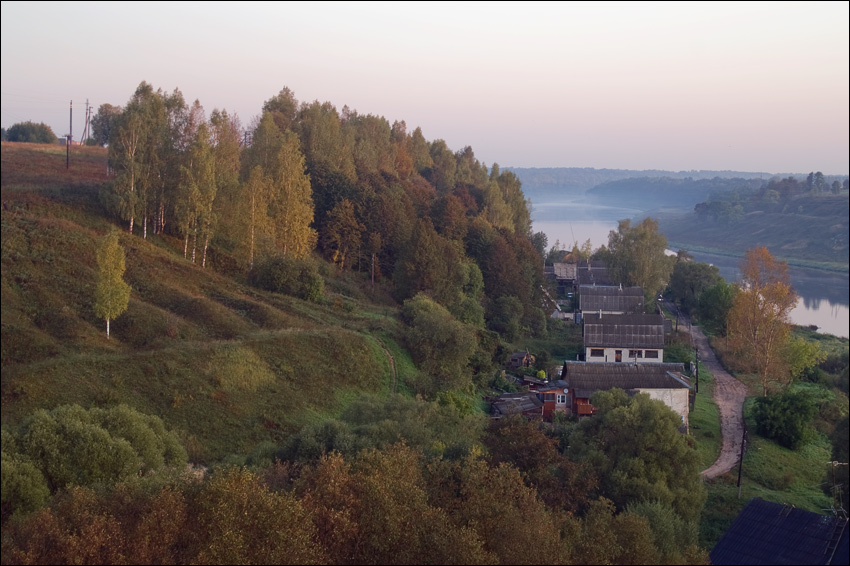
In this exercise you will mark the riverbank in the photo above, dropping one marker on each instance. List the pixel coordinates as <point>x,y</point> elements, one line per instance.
<point>791,261</point>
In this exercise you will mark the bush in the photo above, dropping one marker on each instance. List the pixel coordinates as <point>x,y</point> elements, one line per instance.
<point>31,132</point>
<point>297,277</point>
<point>785,418</point>
<point>72,446</point>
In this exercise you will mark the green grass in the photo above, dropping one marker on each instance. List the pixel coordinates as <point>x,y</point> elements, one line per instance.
<point>704,420</point>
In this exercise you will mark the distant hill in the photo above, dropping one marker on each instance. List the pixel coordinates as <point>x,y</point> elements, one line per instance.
<point>547,182</point>
<point>807,231</point>
<point>646,193</point>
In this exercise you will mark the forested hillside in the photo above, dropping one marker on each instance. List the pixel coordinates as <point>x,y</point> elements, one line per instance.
<point>802,222</point>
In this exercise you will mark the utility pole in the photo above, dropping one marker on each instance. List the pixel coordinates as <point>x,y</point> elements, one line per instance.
<point>85,135</point>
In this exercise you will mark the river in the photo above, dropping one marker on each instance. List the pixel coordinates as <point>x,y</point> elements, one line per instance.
<point>824,295</point>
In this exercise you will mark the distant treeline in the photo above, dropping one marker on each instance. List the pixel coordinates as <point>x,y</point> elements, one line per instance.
<point>558,181</point>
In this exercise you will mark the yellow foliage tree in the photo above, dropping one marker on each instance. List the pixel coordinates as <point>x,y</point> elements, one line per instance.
<point>112,294</point>
<point>758,322</point>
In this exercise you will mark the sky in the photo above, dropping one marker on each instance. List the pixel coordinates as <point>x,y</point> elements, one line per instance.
<point>679,86</point>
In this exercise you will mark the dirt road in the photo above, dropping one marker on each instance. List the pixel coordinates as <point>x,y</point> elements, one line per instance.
<point>729,395</point>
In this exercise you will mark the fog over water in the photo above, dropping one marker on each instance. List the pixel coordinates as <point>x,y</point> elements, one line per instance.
<point>824,296</point>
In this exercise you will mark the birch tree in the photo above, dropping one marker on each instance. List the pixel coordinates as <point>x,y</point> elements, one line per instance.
<point>291,204</point>
<point>196,192</point>
<point>758,323</point>
<point>112,294</point>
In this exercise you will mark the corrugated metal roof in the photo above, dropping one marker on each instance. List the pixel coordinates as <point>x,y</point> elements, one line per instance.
<point>513,403</point>
<point>565,270</point>
<point>624,331</point>
<point>610,298</point>
<point>595,274</point>
<point>607,375</point>
<point>770,533</point>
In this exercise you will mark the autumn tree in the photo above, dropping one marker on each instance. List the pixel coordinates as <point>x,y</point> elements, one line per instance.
<point>241,521</point>
<point>112,294</point>
<point>291,202</point>
<point>283,108</point>
<point>758,323</point>
<point>275,209</point>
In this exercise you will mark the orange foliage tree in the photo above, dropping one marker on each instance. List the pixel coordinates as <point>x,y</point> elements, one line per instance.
<point>758,322</point>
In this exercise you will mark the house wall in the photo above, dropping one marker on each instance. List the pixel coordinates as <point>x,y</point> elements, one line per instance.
<point>609,355</point>
<point>676,399</point>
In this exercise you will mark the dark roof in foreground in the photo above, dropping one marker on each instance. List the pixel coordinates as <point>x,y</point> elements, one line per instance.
<point>588,376</point>
<point>770,533</point>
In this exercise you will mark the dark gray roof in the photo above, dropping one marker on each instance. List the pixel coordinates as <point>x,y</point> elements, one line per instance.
<point>595,273</point>
<point>610,298</point>
<point>624,330</point>
<point>516,403</point>
<point>770,533</point>
<point>588,376</point>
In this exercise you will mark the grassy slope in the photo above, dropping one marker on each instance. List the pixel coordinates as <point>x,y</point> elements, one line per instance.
<point>812,232</point>
<point>163,357</point>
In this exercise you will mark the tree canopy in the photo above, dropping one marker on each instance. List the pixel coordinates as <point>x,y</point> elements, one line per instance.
<point>31,132</point>
<point>636,256</point>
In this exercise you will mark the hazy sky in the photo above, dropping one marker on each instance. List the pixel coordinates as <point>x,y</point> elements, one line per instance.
<point>743,86</point>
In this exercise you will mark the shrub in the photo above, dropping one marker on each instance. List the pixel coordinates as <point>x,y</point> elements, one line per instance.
<point>72,446</point>
<point>785,418</point>
<point>297,277</point>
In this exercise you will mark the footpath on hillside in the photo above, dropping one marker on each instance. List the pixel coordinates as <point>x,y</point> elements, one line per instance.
<point>729,395</point>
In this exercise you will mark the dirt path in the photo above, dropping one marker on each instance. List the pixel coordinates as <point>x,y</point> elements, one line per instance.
<point>729,395</point>
<point>392,363</point>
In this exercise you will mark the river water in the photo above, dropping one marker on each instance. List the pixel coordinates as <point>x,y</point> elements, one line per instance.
<point>824,296</point>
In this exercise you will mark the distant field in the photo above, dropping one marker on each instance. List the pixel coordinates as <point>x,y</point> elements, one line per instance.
<point>35,166</point>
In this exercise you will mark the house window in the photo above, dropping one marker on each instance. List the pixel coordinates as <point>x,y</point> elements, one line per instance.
<point>651,354</point>
<point>597,352</point>
<point>549,396</point>
<point>635,354</point>
<point>562,399</point>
